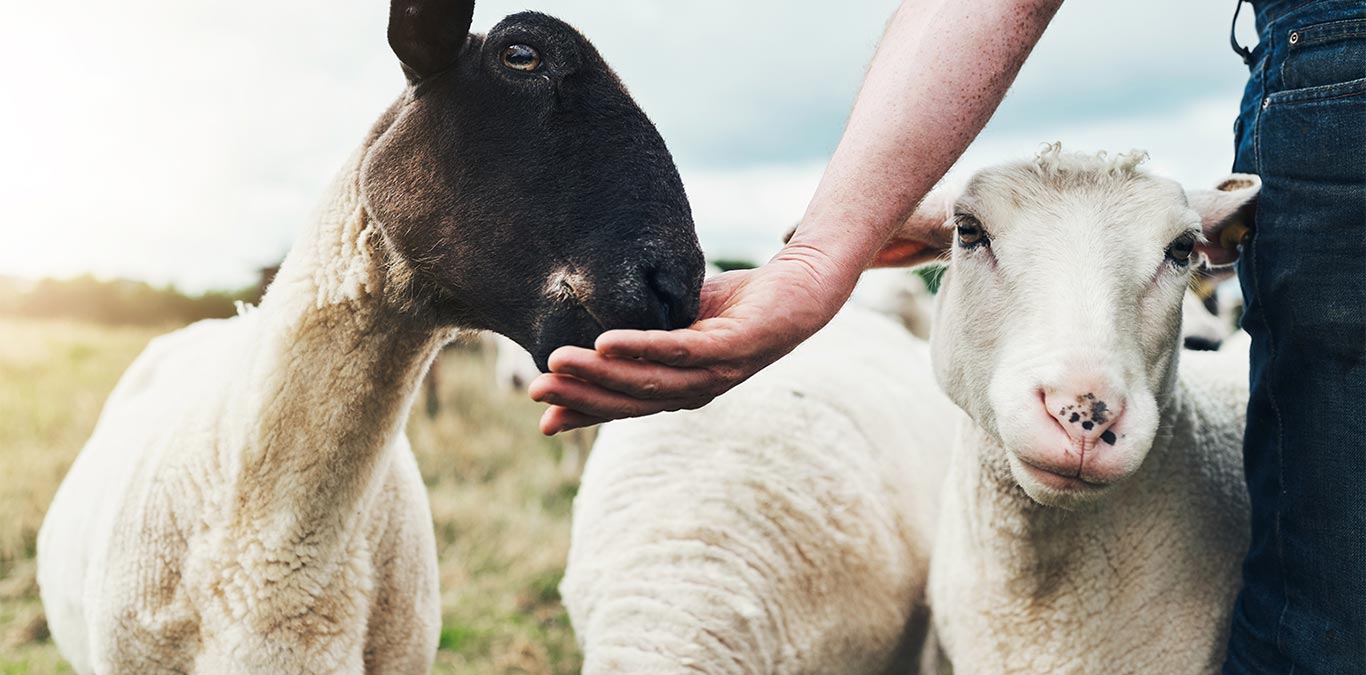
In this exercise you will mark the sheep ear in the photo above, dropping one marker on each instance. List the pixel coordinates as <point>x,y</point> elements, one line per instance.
<point>427,35</point>
<point>924,237</point>
<point>1227,216</point>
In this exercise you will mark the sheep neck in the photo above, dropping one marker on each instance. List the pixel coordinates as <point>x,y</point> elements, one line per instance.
<point>1035,546</point>
<point>335,374</point>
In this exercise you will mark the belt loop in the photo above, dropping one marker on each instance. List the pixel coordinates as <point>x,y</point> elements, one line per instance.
<point>1233,35</point>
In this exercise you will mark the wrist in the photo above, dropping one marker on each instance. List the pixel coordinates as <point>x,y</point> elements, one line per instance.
<point>833,270</point>
<point>843,245</point>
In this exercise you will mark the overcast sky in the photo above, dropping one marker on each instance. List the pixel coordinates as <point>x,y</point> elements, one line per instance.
<point>186,142</point>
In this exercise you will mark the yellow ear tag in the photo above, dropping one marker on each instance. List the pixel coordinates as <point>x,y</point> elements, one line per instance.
<point>1234,235</point>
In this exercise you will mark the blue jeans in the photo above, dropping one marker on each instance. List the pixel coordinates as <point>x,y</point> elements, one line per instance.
<point>1302,127</point>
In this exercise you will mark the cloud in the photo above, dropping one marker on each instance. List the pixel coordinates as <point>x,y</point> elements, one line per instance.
<point>1114,60</point>
<point>178,141</point>
<point>187,141</point>
<point>770,81</point>
<point>743,212</point>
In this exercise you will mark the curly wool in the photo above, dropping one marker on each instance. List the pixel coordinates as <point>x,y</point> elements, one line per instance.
<point>1051,160</point>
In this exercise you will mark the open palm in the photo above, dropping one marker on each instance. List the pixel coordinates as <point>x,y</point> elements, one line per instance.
<point>748,319</point>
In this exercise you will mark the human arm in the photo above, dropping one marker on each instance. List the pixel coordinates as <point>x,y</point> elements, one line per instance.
<point>941,70</point>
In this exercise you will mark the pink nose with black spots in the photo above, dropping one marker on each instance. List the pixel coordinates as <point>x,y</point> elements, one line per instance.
<point>1086,417</point>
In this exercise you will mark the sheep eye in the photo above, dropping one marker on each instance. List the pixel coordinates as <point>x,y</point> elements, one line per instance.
<point>970,232</point>
<point>1180,250</point>
<point>521,57</point>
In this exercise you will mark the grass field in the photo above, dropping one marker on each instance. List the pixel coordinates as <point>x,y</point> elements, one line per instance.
<point>500,497</point>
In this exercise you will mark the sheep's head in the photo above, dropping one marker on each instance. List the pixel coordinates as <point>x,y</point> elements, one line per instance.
<point>522,187</point>
<point>1059,318</point>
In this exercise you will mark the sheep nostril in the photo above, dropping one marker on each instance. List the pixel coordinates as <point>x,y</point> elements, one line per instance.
<point>1085,418</point>
<point>1043,402</point>
<point>671,290</point>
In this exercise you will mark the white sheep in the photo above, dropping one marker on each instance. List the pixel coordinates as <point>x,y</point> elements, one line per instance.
<point>899,294</point>
<point>248,502</point>
<point>1094,513</point>
<point>904,296</point>
<point>1208,313</point>
<point>783,528</point>
<point>513,367</point>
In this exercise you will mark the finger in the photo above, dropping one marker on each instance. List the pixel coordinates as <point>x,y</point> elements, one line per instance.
<point>569,351</point>
<point>638,379</point>
<point>590,399</point>
<point>558,419</point>
<point>685,347</point>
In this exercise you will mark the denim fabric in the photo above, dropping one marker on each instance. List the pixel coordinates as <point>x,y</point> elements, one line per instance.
<point>1302,128</point>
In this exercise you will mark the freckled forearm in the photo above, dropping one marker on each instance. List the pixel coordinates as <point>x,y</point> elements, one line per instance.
<point>941,70</point>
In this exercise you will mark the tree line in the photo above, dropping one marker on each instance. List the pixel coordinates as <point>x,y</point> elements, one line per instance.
<point>116,301</point>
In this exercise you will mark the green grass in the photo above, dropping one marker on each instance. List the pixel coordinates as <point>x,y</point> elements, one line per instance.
<point>500,497</point>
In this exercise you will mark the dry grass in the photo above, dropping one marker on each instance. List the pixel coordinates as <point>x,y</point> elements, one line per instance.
<point>500,497</point>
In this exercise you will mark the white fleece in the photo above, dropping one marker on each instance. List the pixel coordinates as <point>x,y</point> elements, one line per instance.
<point>1142,582</point>
<point>1078,290</point>
<point>248,502</point>
<point>900,294</point>
<point>784,528</point>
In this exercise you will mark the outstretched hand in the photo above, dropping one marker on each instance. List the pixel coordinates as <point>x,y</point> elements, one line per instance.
<point>908,126</point>
<point>748,319</point>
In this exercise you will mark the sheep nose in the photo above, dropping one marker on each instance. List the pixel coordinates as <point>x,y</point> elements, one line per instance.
<point>1085,413</point>
<point>676,291</point>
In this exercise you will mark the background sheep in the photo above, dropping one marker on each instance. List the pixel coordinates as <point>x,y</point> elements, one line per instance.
<point>248,502</point>
<point>1057,331</point>
<point>1210,310</point>
<point>513,370</point>
<point>899,294</point>
<point>784,528</point>
<point>513,367</point>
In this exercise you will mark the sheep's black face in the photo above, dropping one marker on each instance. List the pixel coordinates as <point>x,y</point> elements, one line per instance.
<point>523,186</point>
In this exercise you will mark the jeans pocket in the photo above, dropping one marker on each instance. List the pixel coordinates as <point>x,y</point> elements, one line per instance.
<point>1325,92</point>
<point>1324,55</point>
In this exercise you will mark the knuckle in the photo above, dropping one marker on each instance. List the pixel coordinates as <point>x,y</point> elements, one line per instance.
<point>648,389</point>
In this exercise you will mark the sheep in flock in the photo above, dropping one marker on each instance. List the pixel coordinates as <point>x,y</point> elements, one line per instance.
<point>513,367</point>
<point>248,502</point>
<point>899,294</point>
<point>513,371</point>
<point>1094,514</point>
<point>1208,316</point>
<point>783,528</point>
<point>1206,322</point>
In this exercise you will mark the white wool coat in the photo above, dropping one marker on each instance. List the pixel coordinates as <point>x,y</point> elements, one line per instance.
<point>1142,582</point>
<point>248,502</point>
<point>784,528</point>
